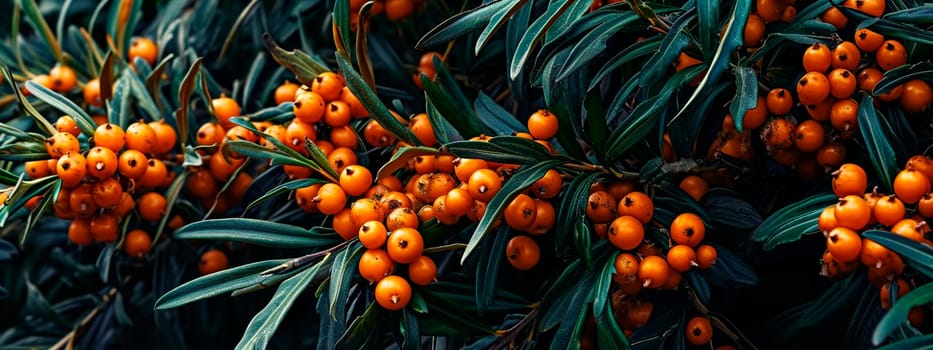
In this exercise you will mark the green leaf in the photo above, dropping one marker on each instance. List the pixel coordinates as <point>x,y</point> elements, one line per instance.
<point>61,103</point>
<point>672,45</point>
<point>259,232</point>
<point>598,129</point>
<point>446,317</point>
<point>503,149</point>
<point>171,198</point>
<point>122,23</point>
<point>922,14</point>
<point>496,21</point>
<point>43,123</point>
<point>373,105</point>
<point>891,29</point>
<point>727,210</point>
<point>253,150</point>
<point>897,315</point>
<point>534,34</point>
<point>184,94</point>
<point>917,255</point>
<point>510,189</point>
<point>411,330</point>
<point>746,95</point>
<point>708,19</point>
<point>32,11</point>
<point>214,284</point>
<point>593,43</point>
<point>263,325</point>
<point>451,102</point>
<point>789,223</point>
<point>494,117</point>
<point>255,70</point>
<point>572,206</point>
<point>461,24</point>
<point>608,333</point>
<point>362,331</point>
<point>444,132</point>
<point>283,188</point>
<point>139,92</point>
<point>401,158</point>
<point>582,240</point>
<point>304,66</point>
<point>603,283</point>
<point>899,75</point>
<point>341,29</point>
<point>875,131</point>
<point>231,34</point>
<point>630,53</point>
<point>345,263</point>
<point>487,268</point>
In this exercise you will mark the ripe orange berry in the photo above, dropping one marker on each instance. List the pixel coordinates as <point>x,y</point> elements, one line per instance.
<point>601,207</point>
<point>699,330</point>
<point>874,8</point>
<point>166,137</point>
<point>910,185</point>
<point>107,192</point>
<point>483,184</point>
<point>422,271</point>
<point>917,96</point>
<point>706,256</point>
<point>420,126</point>
<point>402,217</point>
<point>144,48</point>
<point>754,118</point>
<point>376,135</point>
<point>37,169</point>
<point>355,179</point>
<point>832,154</point>
<point>925,206</point>
<point>91,93</point>
<point>79,231</point>
<point>328,85</point>
<point>771,10</point>
<point>59,144</point>
<point>366,209</point>
<point>137,243</point>
<point>754,31</point>
<point>688,228</point>
<point>224,109</point>
<point>681,257</point>
<point>375,264</point>
<point>545,218</point>
<point>152,206</point>
<point>155,175</point>
<point>210,134</point>
<point>626,265</point>
<point>341,157</point>
<point>105,228</point>
<point>868,40</point>
<point>885,293</point>
<point>521,212</point>
<point>695,186</point>
<point>63,78</point>
<point>849,179</point>
<point>812,88</point>
<point>405,245</point>
<point>82,201</point>
<point>357,110</point>
<point>844,244</point>
<point>212,261</point>
<point>835,17</point>
<point>846,55</point>
<point>141,137</point>
<point>132,164</point>
<point>67,124</point>
<point>636,204</point>
<point>102,162</point>
<point>842,83</point>
<point>285,92</point>
<point>809,136</point>
<point>852,211</point>
<point>393,292</point>
<point>542,124</point>
<point>654,271</point>
<point>548,186</point>
<point>309,107</point>
<point>330,199</point>
<point>891,54</point>
<point>71,169</point>
<point>779,101</point>
<point>817,58</point>
<point>344,225</point>
<point>909,228</point>
<point>523,252</point>
<point>889,210</point>
<point>779,133</point>
<point>626,232</point>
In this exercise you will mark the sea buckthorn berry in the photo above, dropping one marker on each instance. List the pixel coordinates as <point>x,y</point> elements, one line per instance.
<point>375,264</point>
<point>771,10</point>
<point>37,169</point>
<point>465,167</point>
<point>63,78</point>
<point>885,293</point>
<point>809,136</point>
<point>817,58</point>
<point>405,245</point>
<point>699,330</point>
<point>779,101</point>
<point>141,137</point>
<point>873,255</point>
<point>210,134</point>
<point>910,185</point>
<point>545,218</point>
<point>376,135</point>
<point>654,271</point>
<point>420,126</point>
<point>366,209</point>
<point>548,186</point>
<point>754,117</point>
<point>285,92</point>
<point>521,212</point>
<point>542,124</point>
<point>459,201</point>
<point>357,110</point>
<point>868,40</point>
<point>166,137</point>
<point>132,164</point>
<point>373,234</point>
<point>71,169</point>
<point>423,271</point>
<point>344,136</point>
<point>832,154</point>
<point>626,232</point>
<point>102,162</point>
<point>202,185</point>
<point>523,252</point>
<point>688,228</point>
<point>393,292</point>
<point>846,55</point>
<point>331,199</point>
<point>60,143</point>
<point>706,256</point>
<point>681,258</point>
<point>137,243</point>
<point>874,8</point>
<point>638,205</point>
<point>402,217</point>
<point>842,83</point>
<point>355,179</point>
<point>79,231</point>
<point>224,109</point>
<point>844,244</point>
<point>82,201</point>
<point>889,210</point>
<point>483,184</point>
<point>754,31</point>
<point>620,189</point>
<point>820,111</point>
<point>601,207</point>
<point>152,206</point>
<point>155,174</point>
<point>329,85</point>
<point>344,225</point>
<point>91,93</point>
<point>297,132</point>
<point>917,96</point>
<point>891,54</point>
<point>835,17</point>
<point>107,192</point>
<point>812,88</point>
<point>695,186</point>
<point>779,133</point>
<point>144,48</point>
<point>105,228</point>
<point>67,124</point>
<point>626,265</point>
<point>925,206</point>
<point>852,211</point>
<point>849,179</point>
<point>309,107</point>
<point>909,228</point>
<point>212,261</point>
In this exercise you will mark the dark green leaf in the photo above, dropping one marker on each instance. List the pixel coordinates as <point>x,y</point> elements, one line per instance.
<point>345,263</point>
<point>171,198</point>
<point>630,53</point>
<point>463,117</point>
<point>892,29</point>
<point>789,223</point>
<point>671,46</point>
<point>284,188</point>
<point>571,207</point>
<point>139,92</point>
<point>897,315</point>
<point>215,284</point>
<point>258,232</point>
<point>746,95</point>
<point>253,150</point>
<point>726,209</point>
<point>304,66</point>
<point>184,94</point>
<point>917,255</point>
<point>494,118</point>
<point>401,158</point>
<point>603,284</point>
<point>64,105</point>
<point>875,130</point>
<point>411,331</point>
<point>496,21</point>
<point>461,24</point>
<point>582,240</point>
<point>593,43</point>
<point>503,149</point>
<point>263,325</point>
<point>708,18</point>
<point>915,15</point>
<point>534,34</point>
<point>899,75</point>
<point>373,105</point>
<point>487,268</point>
<point>510,189</point>
<point>43,123</point>
<point>362,330</point>
<point>33,13</point>
<point>444,132</point>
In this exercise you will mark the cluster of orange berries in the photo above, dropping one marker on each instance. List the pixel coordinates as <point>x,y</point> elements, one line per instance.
<point>903,213</point>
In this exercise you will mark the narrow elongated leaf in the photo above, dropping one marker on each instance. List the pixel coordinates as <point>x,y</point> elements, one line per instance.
<point>362,330</point>
<point>496,21</point>
<point>897,76</point>
<point>875,133</point>
<point>671,47</point>
<point>411,330</point>
<point>593,43</point>
<point>171,198</point>
<point>215,284</point>
<point>184,94</point>
<point>891,29</point>
<point>304,66</point>
<point>571,207</point>
<point>252,78</point>
<point>341,272</point>
<point>897,315</point>
<point>708,19</point>
<point>401,158</point>
<point>487,269</point>
<point>253,150</point>
<point>915,15</point>
<point>263,325</point>
<point>506,149</point>
<point>630,53</point>
<point>510,189</point>
<point>583,240</point>
<point>63,104</point>
<point>34,14</point>
<point>443,130</point>
<point>373,105</point>
<point>791,222</point>
<point>746,95</point>
<point>603,282</point>
<point>494,117</point>
<point>461,24</point>
<point>451,113</point>
<point>138,89</point>
<point>258,232</point>
<point>465,120</point>
<point>912,343</point>
<point>283,188</point>
<point>534,34</point>
<point>916,255</point>
<point>41,121</point>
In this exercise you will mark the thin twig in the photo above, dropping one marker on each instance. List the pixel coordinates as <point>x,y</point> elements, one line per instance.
<point>69,338</point>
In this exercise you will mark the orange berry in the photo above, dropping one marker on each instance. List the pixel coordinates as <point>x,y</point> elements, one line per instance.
<point>144,48</point>
<point>79,231</point>
<point>817,58</point>
<point>405,245</point>
<point>688,228</point>
<point>626,232</point>
<point>224,109</point>
<point>523,252</point>
<point>141,137</point>
<point>654,271</point>
<point>212,261</point>
<point>542,124</point>
<point>137,243</point>
<point>706,256</point>
<point>375,264</point>
<point>71,169</point>
<point>152,206</point>
<point>844,244</point>
<point>699,330</point>
<point>849,179</point>
<point>910,185</point>
<point>422,271</point>
<point>393,292</point>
